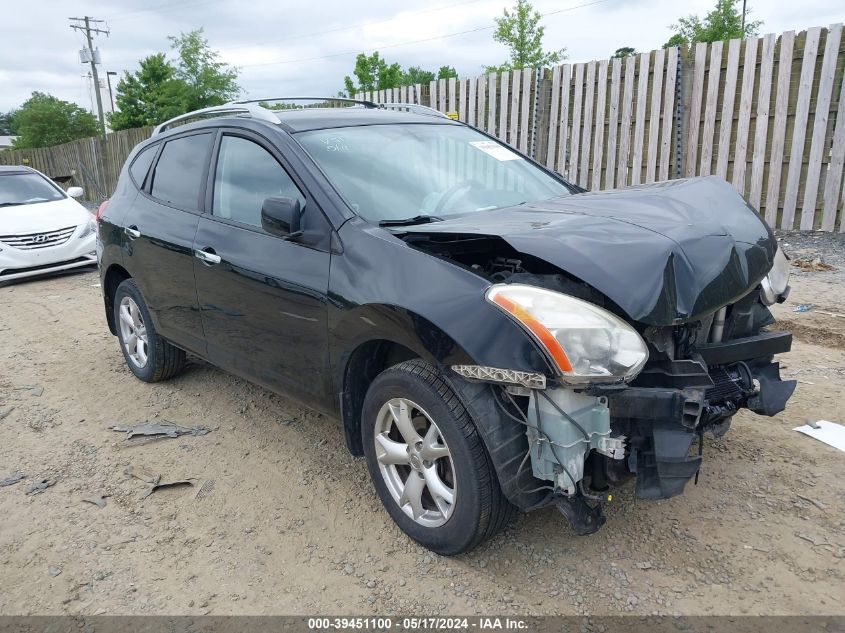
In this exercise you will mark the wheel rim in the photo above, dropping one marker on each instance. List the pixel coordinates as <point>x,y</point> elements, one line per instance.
<point>415,462</point>
<point>133,332</point>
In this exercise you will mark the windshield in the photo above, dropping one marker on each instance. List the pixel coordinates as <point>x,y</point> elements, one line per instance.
<point>17,189</point>
<point>413,171</point>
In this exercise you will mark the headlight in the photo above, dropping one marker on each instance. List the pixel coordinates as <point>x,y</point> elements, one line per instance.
<point>587,343</point>
<point>90,228</point>
<point>775,283</point>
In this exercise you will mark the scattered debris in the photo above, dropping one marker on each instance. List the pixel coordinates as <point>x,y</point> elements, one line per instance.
<point>12,479</point>
<point>205,490</point>
<point>97,500</point>
<point>811,265</point>
<point>36,391</point>
<point>818,504</point>
<point>157,431</point>
<point>54,571</point>
<point>803,307</point>
<point>40,486</point>
<point>5,412</point>
<point>644,565</point>
<point>833,314</point>
<point>150,479</point>
<point>155,481</point>
<point>756,549</point>
<point>167,484</point>
<point>810,539</point>
<point>830,433</point>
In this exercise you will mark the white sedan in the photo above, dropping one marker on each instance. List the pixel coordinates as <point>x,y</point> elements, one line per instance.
<point>42,228</point>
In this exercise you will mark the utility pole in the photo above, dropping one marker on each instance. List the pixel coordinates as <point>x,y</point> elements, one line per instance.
<point>88,30</point>
<point>743,18</point>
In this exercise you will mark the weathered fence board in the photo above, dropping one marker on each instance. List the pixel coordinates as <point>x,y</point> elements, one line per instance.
<point>799,130</point>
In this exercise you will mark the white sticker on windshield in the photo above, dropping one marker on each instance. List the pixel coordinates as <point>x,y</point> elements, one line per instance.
<point>499,152</point>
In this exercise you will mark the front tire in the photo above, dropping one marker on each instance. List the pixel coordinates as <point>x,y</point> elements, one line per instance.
<point>427,461</point>
<point>147,355</point>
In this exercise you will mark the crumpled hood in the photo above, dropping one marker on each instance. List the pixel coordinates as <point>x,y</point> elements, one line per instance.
<point>664,253</point>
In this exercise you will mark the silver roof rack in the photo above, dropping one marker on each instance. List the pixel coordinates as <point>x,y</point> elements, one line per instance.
<point>253,108</point>
<point>412,107</point>
<point>366,104</point>
<point>239,109</point>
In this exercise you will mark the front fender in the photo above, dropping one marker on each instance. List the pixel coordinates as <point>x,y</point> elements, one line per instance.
<point>380,288</point>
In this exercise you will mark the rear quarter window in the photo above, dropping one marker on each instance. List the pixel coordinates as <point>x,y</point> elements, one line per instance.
<point>141,165</point>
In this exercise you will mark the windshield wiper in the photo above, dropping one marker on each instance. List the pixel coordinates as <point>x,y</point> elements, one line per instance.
<point>417,219</point>
<point>10,204</point>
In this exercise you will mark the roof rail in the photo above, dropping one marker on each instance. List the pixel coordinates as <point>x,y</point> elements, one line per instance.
<point>252,108</point>
<point>412,107</point>
<point>366,104</point>
<point>240,109</point>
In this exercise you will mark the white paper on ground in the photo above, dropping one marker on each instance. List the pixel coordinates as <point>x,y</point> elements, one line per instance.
<point>828,432</point>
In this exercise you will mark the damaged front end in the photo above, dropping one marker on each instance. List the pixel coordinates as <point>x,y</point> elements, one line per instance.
<point>618,410</point>
<point>651,307</point>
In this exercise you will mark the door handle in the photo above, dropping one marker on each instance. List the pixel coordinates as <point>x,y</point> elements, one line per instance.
<point>208,256</point>
<point>132,231</point>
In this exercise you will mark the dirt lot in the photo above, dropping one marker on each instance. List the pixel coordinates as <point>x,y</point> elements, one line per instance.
<point>292,524</point>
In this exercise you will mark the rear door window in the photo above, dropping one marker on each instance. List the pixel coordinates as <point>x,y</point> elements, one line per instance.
<point>178,174</point>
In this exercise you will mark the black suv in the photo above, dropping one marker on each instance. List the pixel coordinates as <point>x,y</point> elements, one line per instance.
<point>490,336</point>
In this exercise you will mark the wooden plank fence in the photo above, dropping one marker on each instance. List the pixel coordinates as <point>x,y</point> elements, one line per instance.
<point>767,114</point>
<point>92,163</point>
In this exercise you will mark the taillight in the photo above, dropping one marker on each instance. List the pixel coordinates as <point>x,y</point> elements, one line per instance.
<point>100,210</point>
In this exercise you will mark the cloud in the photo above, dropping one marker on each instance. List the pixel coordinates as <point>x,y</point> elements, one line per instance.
<point>272,39</point>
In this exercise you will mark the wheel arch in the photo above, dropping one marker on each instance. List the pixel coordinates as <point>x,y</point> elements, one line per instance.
<point>371,338</point>
<point>115,275</point>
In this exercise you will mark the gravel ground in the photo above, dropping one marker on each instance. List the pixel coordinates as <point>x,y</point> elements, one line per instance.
<point>292,525</point>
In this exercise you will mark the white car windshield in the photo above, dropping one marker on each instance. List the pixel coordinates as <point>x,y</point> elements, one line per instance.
<point>429,171</point>
<point>18,189</point>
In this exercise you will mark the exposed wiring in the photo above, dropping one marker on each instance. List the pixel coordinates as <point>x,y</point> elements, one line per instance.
<point>528,452</point>
<point>565,415</point>
<point>552,444</point>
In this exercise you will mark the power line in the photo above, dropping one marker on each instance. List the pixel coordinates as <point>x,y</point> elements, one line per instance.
<point>160,8</point>
<point>409,43</point>
<point>348,28</point>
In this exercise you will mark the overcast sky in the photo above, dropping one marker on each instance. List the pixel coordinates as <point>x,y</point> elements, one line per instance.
<point>305,48</point>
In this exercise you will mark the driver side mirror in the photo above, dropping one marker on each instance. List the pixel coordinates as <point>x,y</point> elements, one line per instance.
<point>281,216</point>
<point>75,192</point>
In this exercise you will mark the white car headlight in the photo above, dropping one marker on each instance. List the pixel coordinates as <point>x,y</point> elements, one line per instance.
<point>91,227</point>
<point>774,284</point>
<point>587,343</point>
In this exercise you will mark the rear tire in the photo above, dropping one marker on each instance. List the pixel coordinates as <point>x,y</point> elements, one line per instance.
<point>148,356</point>
<point>427,461</point>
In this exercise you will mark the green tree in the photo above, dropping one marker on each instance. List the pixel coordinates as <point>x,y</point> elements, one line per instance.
<point>149,96</point>
<point>373,73</point>
<point>519,29</point>
<point>209,81</point>
<point>724,22</point>
<point>625,51</point>
<point>416,75</point>
<point>45,120</point>
<point>162,89</point>
<point>7,125</point>
<point>446,71</point>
